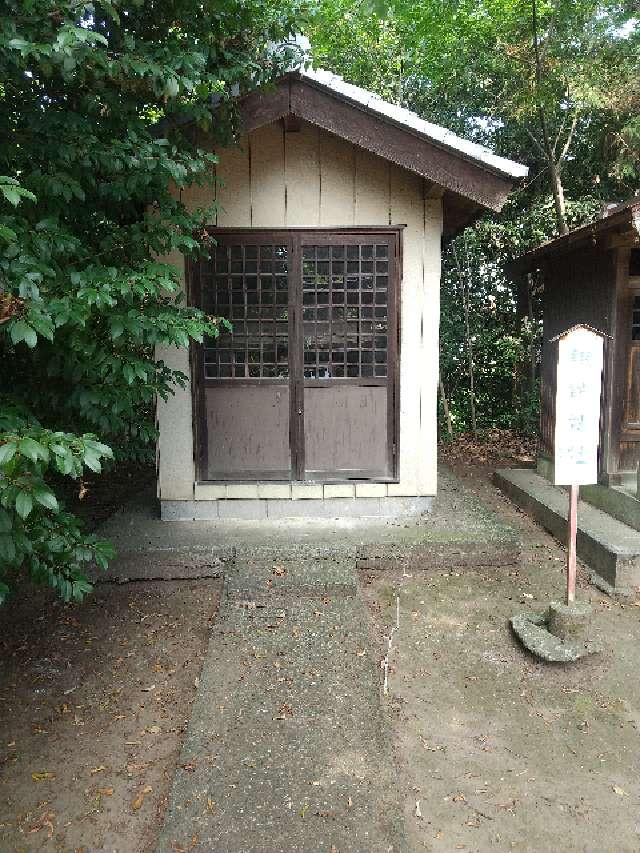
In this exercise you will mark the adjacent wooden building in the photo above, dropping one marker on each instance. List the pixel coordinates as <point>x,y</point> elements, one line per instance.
<point>592,276</point>
<point>331,209</point>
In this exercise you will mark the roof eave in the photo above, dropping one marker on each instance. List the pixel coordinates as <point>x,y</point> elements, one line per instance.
<point>388,119</point>
<point>621,227</point>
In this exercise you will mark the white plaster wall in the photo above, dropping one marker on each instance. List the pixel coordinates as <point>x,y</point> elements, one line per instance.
<point>311,178</point>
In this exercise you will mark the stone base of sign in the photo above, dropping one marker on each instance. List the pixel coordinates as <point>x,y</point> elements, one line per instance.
<point>610,548</point>
<point>570,622</point>
<point>536,633</point>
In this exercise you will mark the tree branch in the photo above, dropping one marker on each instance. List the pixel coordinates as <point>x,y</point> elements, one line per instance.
<point>565,149</point>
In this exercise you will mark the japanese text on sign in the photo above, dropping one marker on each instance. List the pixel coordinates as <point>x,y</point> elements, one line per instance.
<point>578,392</point>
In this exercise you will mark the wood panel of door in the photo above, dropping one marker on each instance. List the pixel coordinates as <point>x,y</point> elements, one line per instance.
<point>631,421</point>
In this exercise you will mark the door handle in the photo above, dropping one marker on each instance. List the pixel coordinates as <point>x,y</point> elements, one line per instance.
<point>299,411</point>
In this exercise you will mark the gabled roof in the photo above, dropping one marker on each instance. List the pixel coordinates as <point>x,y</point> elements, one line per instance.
<point>427,130</point>
<point>576,326</point>
<point>470,176</point>
<point>620,226</point>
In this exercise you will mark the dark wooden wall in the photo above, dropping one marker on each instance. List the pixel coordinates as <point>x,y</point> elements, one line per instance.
<point>579,287</point>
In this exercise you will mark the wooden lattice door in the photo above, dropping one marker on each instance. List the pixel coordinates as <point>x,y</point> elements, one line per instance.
<point>305,386</point>
<point>632,389</point>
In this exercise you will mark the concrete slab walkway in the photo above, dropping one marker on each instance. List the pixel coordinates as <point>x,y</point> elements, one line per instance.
<point>287,748</point>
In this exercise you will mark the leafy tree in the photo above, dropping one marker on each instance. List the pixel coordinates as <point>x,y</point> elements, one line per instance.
<point>97,105</point>
<point>552,83</point>
<point>545,81</point>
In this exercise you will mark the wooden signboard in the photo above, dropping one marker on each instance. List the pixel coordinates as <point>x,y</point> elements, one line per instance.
<point>578,391</point>
<point>577,423</point>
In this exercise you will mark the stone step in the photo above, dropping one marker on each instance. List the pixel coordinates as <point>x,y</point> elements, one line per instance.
<point>610,548</point>
<point>616,501</point>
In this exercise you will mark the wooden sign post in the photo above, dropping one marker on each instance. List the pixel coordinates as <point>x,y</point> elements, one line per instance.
<point>577,424</point>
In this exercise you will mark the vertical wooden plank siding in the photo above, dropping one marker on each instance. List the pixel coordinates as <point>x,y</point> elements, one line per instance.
<point>337,179</point>
<point>302,177</point>
<point>430,345</point>
<point>407,206</point>
<point>175,459</point>
<point>266,146</point>
<point>234,186</point>
<point>371,189</point>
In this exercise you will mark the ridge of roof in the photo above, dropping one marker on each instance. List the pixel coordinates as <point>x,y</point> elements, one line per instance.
<point>402,116</point>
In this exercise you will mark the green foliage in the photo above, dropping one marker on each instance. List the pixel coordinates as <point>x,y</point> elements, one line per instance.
<point>505,343</point>
<point>35,533</point>
<point>98,106</point>
<point>470,65</point>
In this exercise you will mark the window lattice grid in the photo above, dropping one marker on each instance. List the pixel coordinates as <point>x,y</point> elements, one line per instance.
<point>345,310</point>
<point>248,285</point>
<point>635,319</point>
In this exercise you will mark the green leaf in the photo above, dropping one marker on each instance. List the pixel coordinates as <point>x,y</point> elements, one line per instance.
<point>21,331</point>
<point>18,44</point>
<point>5,521</point>
<point>46,499</point>
<point>24,504</point>
<point>33,449</point>
<point>92,461</point>
<point>7,547</point>
<point>7,452</point>
<point>81,587</point>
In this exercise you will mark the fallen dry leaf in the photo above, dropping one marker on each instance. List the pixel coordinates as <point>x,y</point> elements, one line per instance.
<point>137,802</point>
<point>98,769</point>
<point>619,791</point>
<point>46,820</point>
<point>105,792</point>
<point>179,848</point>
<point>44,776</point>
<point>133,769</point>
<point>285,710</point>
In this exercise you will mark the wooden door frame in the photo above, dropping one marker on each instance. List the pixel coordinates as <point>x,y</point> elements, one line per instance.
<point>632,291</point>
<point>293,239</point>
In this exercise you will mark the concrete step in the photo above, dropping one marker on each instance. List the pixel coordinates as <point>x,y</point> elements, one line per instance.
<point>610,548</point>
<point>460,531</point>
<point>617,501</point>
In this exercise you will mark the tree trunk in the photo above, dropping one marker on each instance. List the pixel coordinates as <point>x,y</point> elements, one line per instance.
<point>558,195</point>
<point>548,147</point>
<point>445,408</point>
<point>470,364</point>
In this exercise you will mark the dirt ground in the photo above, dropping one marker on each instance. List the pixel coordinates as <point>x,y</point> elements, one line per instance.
<point>496,751</point>
<point>94,699</point>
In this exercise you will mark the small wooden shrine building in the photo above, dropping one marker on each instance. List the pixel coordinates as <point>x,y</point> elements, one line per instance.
<point>331,210</point>
<point>592,276</point>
